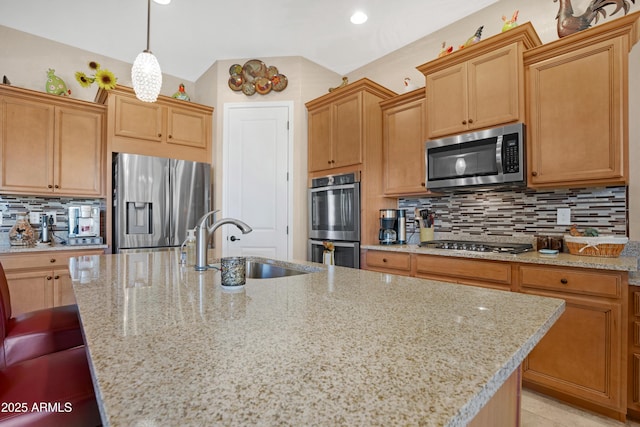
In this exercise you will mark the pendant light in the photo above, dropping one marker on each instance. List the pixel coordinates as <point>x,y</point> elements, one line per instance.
<point>146,75</point>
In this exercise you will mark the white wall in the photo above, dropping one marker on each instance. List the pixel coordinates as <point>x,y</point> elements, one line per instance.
<point>25,59</point>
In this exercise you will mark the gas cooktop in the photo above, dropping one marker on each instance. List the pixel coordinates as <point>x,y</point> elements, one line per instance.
<point>493,247</point>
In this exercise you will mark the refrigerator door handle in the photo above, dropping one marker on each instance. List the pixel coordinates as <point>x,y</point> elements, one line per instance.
<point>170,175</point>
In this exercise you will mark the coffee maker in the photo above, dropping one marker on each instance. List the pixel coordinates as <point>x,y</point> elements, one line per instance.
<point>388,234</point>
<point>84,225</point>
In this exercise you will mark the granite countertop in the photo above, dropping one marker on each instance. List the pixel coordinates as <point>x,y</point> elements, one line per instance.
<point>339,346</point>
<point>7,249</point>
<point>622,263</point>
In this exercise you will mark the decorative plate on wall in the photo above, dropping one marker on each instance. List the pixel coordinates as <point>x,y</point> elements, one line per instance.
<point>263,85</point>
<point>255,76</point>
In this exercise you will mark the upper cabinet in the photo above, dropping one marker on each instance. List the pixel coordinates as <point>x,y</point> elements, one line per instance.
<point>165,128</point>
<point>338,125</point>
<point>50,145</point>
<point>577,107</point>
<point>403,143</point>
<point>479,86</point>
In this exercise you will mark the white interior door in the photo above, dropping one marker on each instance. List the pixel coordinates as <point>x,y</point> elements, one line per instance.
<point>256,187</point>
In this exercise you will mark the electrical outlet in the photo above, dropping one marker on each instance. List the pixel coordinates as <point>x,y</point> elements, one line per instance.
<point>564,216</point>
<point>52,214</point>
<point>34,217</point>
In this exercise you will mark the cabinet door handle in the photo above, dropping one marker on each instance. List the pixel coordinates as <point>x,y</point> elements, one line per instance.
<point>464,122</point>
<point>534,173</point>
<point>159,135</point>
<point>564,281</point>
<point>49,277</point>
<point>470,121</point>
<point>49,186</point>
<point>52,260</point>
<point>328,162</point>
<point>384,260</point>
<point>170,136</point>
<point>56,186</point>
<point>333,161</point>
<point>423,184</point>
<point>56,277</point>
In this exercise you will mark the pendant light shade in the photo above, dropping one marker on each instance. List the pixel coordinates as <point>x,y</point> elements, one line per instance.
<point>146,75</point>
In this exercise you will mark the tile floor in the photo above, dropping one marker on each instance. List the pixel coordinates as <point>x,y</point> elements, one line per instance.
<point>542,411</point>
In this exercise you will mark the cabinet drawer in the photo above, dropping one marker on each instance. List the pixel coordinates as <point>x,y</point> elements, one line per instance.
<point>42,259</point>
<point>582,282</point>
<point>460,268</point>
<point>391,260</point>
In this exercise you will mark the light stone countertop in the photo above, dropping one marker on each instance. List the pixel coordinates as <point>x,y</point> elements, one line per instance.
<point>622,263</point>
<point>340,346</point>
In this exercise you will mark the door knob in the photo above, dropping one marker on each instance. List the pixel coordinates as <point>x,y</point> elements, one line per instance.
<point>233,238</point>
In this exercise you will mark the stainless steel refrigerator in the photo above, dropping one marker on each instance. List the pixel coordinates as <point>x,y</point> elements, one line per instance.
<point>155,200</point>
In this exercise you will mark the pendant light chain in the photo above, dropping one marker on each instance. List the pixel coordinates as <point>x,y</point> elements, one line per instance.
<point>148,25</point>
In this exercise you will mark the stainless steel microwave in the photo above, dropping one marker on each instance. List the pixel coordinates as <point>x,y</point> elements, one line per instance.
<point>490,157</point>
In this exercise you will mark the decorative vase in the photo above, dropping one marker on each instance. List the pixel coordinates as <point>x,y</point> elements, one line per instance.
<point>21,234</point>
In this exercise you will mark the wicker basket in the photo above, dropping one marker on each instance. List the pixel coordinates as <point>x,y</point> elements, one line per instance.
<point>602,246</point>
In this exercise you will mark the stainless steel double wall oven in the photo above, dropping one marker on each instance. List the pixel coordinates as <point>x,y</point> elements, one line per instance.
<point>334,216</point>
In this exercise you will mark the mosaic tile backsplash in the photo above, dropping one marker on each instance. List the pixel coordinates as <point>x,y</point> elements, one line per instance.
<point>12,206</point>
<point>523,213</point>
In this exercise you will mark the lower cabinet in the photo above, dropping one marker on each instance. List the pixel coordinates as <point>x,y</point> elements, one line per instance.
<point>40,280</point>
<point>633,364</point>
<point>582,360</point>
<point>582,357</point>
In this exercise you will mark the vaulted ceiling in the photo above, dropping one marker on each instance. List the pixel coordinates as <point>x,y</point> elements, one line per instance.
<point>188,36</point>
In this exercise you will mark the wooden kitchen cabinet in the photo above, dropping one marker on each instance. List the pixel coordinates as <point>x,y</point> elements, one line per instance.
<point>40,280</point>
<point>345,136</point>
<point>166,128</point>
<point>479,86</point>
<point>577,103</point>
<point>50,145</point>
<point>339,125</point>
<point>335,133</point>
<point>582,357</point>
<point>403,144</point>
<point>633,364</point>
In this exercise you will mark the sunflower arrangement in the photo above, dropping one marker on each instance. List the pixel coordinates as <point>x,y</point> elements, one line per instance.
<point>104,78</point>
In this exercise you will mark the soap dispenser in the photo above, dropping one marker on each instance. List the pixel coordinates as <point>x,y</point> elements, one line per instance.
<point>191,247</point>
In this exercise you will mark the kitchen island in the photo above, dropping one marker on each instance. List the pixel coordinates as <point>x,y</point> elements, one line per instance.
<point>337,346</point>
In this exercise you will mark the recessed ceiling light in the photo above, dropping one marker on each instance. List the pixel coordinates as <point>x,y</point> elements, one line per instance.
<point>162,1</point>
<point>359,17</point>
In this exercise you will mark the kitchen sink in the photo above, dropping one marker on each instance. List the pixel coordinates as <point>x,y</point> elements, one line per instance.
<point>262,270</point>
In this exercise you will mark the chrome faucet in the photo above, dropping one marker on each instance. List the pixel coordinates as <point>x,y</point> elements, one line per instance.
<point>204,233</point>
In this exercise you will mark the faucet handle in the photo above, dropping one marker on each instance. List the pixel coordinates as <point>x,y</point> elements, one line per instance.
<point>203,219</point>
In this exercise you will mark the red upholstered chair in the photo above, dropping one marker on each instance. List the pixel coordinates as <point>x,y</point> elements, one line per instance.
<point>36,333</point>
<point>49,391</point>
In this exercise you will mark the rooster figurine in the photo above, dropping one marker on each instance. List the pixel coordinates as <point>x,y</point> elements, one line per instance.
<point>444,51</point>
<point>569,24</point>
<point>511,23</point>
